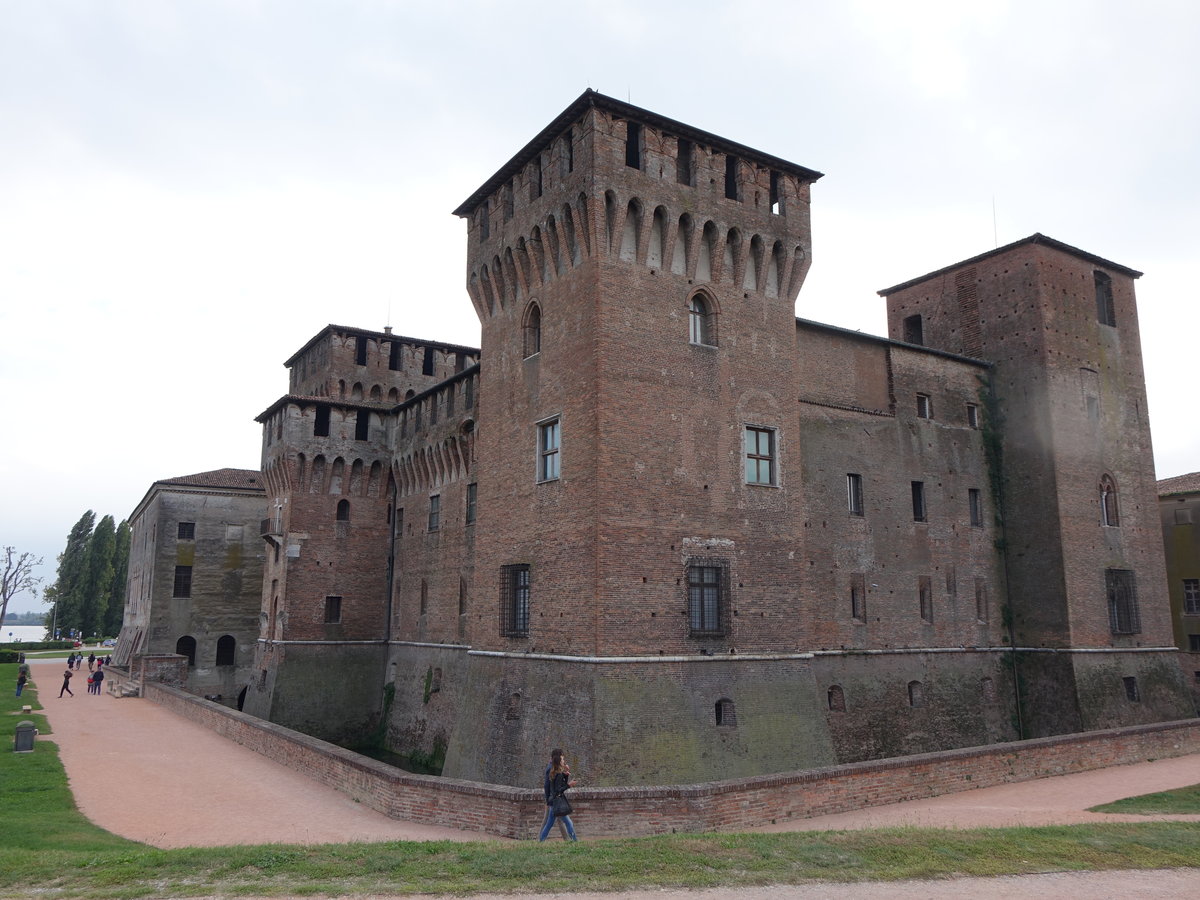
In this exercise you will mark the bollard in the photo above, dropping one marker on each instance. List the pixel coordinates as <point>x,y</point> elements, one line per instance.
<point>23,739</point>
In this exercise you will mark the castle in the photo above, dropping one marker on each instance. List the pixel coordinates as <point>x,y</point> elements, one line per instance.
<point>661,522</point>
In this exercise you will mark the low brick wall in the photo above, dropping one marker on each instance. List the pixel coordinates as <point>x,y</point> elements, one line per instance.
<point>714,806</point>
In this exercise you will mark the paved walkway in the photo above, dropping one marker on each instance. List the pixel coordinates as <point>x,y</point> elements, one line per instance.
<point>145,773</point>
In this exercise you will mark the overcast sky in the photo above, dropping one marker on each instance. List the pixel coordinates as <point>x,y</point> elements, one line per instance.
<point>191,190</point>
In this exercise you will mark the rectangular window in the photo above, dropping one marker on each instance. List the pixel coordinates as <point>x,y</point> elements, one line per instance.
<point>472,498</point>
<point>1123,615</point>
<point>1105,311</point>
<point>975,502</point>
<point>683,162</point>
<point>633,145</point>
<point>708,589</point>
<point>760,455</point>
<point>1191,596</point>
<point>514,601</point>
<point>435,512</point>
<point>1131,689</point>
<point>924,407</point>
<point>183,582</point>
<point>321,421</point>
<point>362,425</point>
<point>1194,643</point>
<point>485,224</point>
<point>981,600</point>
<point>549,437</point>
<point>394,356</point>
<point>360,350</point>
<point>914,330</point>
<point>972,415</point>
<point>333,610</point>
<point>535,181</point>
<point>776,202</point>
<point>858,597</point>
<point>854,494</point>
<point>187,531</point>
<point>1183,517</point>
<point>731,177</point>
<point>918,501</point>
<point>427,363</point>
<point>925,598</point>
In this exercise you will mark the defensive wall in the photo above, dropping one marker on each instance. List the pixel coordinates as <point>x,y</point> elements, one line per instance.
<point>713,806</point>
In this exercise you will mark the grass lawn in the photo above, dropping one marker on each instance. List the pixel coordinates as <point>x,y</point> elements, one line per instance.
<point>47,848</point>
<point>1181,801</point>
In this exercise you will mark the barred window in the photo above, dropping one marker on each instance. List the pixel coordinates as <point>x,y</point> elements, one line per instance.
<point>514,600</point>
<point>333,610</point>
<point>1123,616</point>
<point>708,594</point>
<point>183,582</point>
<point>187,531</point>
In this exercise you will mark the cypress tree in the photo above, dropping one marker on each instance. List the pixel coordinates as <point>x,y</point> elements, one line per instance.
<point>116,598</point>
<point>98,575</point>
<point>64,593</point>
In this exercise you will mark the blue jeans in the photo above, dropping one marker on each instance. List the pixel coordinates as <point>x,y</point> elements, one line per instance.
<point>549,823</point>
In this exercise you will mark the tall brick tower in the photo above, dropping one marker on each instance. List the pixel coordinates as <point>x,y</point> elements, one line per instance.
<point>1083,546</point>
<point>635,279</point>
<point>327,581</point>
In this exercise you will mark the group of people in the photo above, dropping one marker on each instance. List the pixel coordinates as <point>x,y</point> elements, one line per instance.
<point>75,660</point>
<point>95,680</point>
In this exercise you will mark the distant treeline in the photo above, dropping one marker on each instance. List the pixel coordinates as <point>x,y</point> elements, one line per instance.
<point>25,618</point>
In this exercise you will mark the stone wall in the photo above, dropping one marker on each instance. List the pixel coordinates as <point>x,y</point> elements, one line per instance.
<point>723,805</point>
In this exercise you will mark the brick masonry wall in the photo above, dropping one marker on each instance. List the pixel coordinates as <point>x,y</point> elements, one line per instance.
<point>724,805</point>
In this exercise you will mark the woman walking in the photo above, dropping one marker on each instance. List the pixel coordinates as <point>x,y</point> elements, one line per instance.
<point>66,684</point>
<point>555,784</point>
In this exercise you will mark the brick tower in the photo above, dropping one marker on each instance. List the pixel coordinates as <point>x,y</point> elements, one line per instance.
<point>1083,545</point>
<point>327,581</point>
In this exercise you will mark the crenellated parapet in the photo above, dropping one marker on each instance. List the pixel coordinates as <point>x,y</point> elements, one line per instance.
<point>608,180</point>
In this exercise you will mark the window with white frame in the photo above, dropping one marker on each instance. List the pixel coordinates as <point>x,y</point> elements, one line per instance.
<point>549,443</point>
<point>854,494</point>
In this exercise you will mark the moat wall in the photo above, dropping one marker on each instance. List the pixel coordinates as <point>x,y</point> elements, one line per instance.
<point>715,806</point>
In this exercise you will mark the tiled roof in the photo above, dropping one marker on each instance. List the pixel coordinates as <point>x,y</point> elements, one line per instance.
<point>1180,484</point>
<point>250,479</point>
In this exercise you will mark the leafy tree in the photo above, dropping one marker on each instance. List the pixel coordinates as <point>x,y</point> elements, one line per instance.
<point>116,598</point>
<point>65,593</point>
<point>17,576</point>
<point>98,575</point>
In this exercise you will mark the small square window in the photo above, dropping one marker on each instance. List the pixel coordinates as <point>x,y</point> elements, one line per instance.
<point>760,455</point>
<point>854,494</point>
<point>435,512</point>
<point>924,407</point>
<point>187,531</point>
<point>549,440</point>
<point>333,610</point>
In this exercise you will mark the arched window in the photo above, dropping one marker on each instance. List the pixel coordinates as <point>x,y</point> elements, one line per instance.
<point>533,329</point>
<point>702,322</point>
<point>226,650</point>
<point>1109,514</point>
<point>186,646</point>
<point>343,511</point>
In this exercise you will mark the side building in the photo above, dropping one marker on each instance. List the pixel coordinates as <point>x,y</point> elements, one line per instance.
<point>195,577</point>
<point>1179,508</point>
